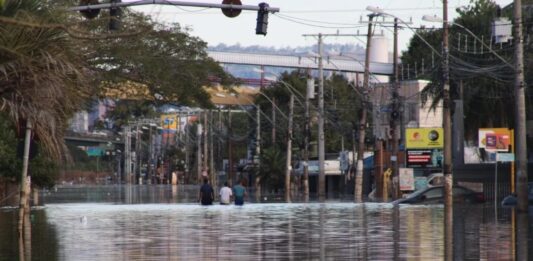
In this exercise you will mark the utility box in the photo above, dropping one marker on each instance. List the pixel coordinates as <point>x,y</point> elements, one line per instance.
<point>502,30</point>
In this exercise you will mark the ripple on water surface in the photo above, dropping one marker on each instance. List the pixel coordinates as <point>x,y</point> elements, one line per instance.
<point>329,231</point>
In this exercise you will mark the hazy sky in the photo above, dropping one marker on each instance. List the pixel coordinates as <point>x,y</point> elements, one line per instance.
<point>298,17</point>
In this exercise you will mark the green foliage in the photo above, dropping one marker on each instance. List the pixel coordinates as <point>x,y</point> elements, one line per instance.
<point>129,110</point>
<point>487,82</point>
<point>272,168</point>
<point>43,172</point>
<point>165,58</point>
<point>42,78</point>
<point>42,169</point>
<point>342,104</point>
<point>9,164</point>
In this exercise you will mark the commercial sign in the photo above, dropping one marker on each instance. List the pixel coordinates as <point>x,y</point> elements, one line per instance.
<point>169,122</point>
<point>495,139</point>
<point>407,179</point>
<point>505,157</point>
<point>94,151</point>
<point>424,158</point>
<point>424,138</point>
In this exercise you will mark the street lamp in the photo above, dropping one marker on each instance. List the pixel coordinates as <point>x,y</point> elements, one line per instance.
<point>375,9</point>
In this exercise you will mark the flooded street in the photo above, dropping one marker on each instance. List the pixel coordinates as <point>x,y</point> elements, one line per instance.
<point>159,223</point>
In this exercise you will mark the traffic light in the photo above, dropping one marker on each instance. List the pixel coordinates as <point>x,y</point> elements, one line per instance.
<point>262,19</point>
<point>90,13</point>
<point>114,16</point>
<point>230,12</point>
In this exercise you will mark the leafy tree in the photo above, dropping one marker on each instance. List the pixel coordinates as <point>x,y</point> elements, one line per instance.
<point>172,64</point>
<point>272,170</point>
<point>42,79</point>
<point>9,164</point>
<point>42,169</point>
<point>487,83</point>
<point>342,103</point>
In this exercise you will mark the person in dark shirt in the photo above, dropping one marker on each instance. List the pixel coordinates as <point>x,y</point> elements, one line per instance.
<point>207,195</point>
<point>240,193</point>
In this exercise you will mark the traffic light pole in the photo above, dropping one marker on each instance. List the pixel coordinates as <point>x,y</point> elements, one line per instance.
<point>174,3</point>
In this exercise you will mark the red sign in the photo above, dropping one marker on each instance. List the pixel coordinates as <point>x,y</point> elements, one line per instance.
<point>424,158</point>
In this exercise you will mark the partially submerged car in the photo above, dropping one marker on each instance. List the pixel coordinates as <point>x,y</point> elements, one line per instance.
<point>435,195</point>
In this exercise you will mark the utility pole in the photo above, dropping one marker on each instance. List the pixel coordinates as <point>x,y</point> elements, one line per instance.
<point>137,153</point>
<point>309,94</point>
<point>289,153</point>
<point>205,168</point>
<point>199,152</point>
<point>257,156</point>
<point>219,158</point>
<point>127,154</point>
<point>187,155</point>
<point>520,137</point>
<point>212,170</point>
<point>25,182</point>
<point>274,121</point>
<point>230,150</point>
<point>150,155</point>
<point>394,117</point>
<point>446,124</point>
<point>321,141</point>
<point>321,145</point>
<point>258,135</point>
<point>358,190</point>
<point>520,140</point>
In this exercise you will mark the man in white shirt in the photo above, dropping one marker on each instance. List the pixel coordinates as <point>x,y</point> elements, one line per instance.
<point>225,194</point>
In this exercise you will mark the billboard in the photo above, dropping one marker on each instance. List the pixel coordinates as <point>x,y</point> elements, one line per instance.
<point>424,138</point>
<point>169,122</point>
<point>495,139</point>
<point>421,158</point>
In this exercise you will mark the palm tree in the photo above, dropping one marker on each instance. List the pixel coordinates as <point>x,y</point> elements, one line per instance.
<point>42,82</point>
<point>272,169</point>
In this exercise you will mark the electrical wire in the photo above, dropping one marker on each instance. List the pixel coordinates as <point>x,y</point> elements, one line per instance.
<point>319,22</point>
<point>312,25</point>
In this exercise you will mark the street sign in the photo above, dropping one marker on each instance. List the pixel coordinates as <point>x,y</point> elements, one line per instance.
<point>505,157</point>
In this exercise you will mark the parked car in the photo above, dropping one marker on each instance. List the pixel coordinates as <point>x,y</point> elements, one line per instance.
<point>512,201</point>
<point>435,195</point>
<point>435,179</point>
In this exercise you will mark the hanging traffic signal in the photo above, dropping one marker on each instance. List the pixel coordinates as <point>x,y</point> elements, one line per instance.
<point>89,13</point>
<point>114,16</point>
<point>262,19</point>
<point>230,12</point>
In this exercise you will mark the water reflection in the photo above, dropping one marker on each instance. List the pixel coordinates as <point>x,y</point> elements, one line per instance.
<point>112,230</point>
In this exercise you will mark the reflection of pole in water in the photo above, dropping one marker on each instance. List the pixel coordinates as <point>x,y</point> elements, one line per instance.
<point>521,235</point>
<point>290,233</point>
<point>396,231</point>
<point>24,237</point>
<point>174,197</point>
<point>128,194</point>
<point>459,241</point>
<point>322,243</point>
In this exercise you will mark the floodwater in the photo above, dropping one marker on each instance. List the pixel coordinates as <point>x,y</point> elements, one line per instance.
<point>164,223</point>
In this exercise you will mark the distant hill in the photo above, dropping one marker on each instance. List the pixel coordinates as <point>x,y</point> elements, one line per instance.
<point>246,71</point>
